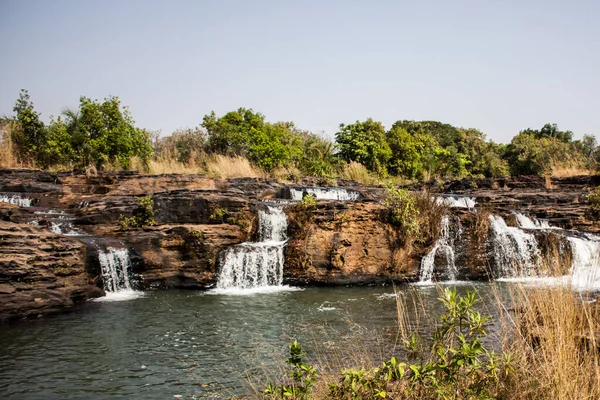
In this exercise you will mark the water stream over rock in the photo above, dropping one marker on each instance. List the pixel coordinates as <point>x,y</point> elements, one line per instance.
<point>254,267</point>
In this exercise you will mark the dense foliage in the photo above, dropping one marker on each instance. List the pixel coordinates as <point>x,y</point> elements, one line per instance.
<point>103,134</point>
<point>97,134</point>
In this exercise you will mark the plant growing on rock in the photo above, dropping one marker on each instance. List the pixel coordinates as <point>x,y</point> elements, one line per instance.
<point>143,216</point>
<point>593,199</point>
<point>220,214</point>
<point>401,212</point>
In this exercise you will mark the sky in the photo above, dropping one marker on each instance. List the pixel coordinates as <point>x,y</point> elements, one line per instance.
<point>498,66</point>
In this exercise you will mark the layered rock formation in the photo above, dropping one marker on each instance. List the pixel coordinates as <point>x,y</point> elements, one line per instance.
<point>197,217</point>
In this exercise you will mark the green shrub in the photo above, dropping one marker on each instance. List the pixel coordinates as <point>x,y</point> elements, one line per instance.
<point>302,377</point>
<point>220,214</point>
<point>593,199</point>
<point>142,217</point>
<point>401,212</point>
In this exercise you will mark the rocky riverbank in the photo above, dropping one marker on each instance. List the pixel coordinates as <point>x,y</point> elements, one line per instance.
<point>340,242</point>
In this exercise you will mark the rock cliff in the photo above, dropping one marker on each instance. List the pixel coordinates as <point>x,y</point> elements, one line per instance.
<point>337,242</point>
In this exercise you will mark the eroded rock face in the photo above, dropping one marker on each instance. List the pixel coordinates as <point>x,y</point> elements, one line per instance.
<point>181,256</point>
<point>198,217</point>
<point>343,243</point>
<point>41,273</point>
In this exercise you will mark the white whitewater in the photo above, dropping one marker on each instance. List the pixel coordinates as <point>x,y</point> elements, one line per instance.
<point>445,246</point>
<point>585,273</point>
<point>65,229</point>
<point>115,265</point>
<point>325,193</point>
<point>531,222</point>
<point>250,268</point>
<point>17,200</point>
<point>457,201</point>
<point>515,251</point>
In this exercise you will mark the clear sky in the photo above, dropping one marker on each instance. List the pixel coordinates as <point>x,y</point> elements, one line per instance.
<point>499,66</point>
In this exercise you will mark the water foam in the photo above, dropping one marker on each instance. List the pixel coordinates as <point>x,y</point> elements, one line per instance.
<point>323,193</point>
<point>251,268</point>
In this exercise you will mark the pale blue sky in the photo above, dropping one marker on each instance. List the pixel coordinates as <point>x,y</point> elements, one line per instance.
<point>499,66</point>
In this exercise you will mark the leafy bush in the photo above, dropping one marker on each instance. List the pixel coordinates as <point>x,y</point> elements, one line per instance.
<point>401,212</point>
<point>220,214</point>
<point>142,217</point>
<point>593,199</point>
<point>302,377</point>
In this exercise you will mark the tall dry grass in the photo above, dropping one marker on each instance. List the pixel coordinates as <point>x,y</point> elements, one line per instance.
<point>554,336</point>
<point>8,150</point>
<point>219,166</point>
<point>357,172</point>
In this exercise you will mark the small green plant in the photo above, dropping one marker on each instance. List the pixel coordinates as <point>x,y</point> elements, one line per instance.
<point>309,202</point>
<point>220,214</point>
<point>593,199</point>
<point>195,238</point>
<point>142,217</point>
<point>302,376</point>
<point>401,211</point>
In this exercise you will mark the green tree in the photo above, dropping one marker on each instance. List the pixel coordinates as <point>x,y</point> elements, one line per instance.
<point>550,131</point>
<point>31,136</point>
<point>364,142</point>
<point>231,134</point>
<point>246,133</point>
<point>111,133</point>
<point>318,157</point>
<point>410,152</point>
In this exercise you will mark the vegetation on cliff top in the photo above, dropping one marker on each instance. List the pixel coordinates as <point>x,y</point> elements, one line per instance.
<point>243,143</point>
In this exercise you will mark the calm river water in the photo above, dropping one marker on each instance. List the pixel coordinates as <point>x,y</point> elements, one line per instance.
<point>191,344</point>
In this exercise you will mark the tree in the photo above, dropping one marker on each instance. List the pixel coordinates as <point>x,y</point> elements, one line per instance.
<point>31,135</point>
<point>232,133</point>
<point>110,133</point>
<point>364,142</point>
<point>550,131</point>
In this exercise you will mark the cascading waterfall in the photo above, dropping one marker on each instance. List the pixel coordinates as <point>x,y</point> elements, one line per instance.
<point>585,273</point>
<point>324,193</point>
<point>115,264</point>
<point>17,200</point>
<point>256,266</point>
<point>456,201</point>
<point>445,246</point>
<point>531,222</point>
<point>515,252</point>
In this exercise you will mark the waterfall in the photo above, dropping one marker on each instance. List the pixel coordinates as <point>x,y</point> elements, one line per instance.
<point>65,229</point>
<point>456,201</point>
<point>115,265</point>
<point>324,193</point>
<point>17,200</point>
<point>531,222</point>
<point>585,273</point>
<point>445,246</point>
<point>514,251</point>
<point>256,267</point>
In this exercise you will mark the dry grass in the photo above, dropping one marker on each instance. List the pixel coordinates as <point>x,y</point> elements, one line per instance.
<point>357,172</point>
<point>554,336</point>
<point>171,166</point>
<point>219,166</point>
<point>8,157</point>
<point>574,167</point>
<point>430,215</point>
<point>289,174</point>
